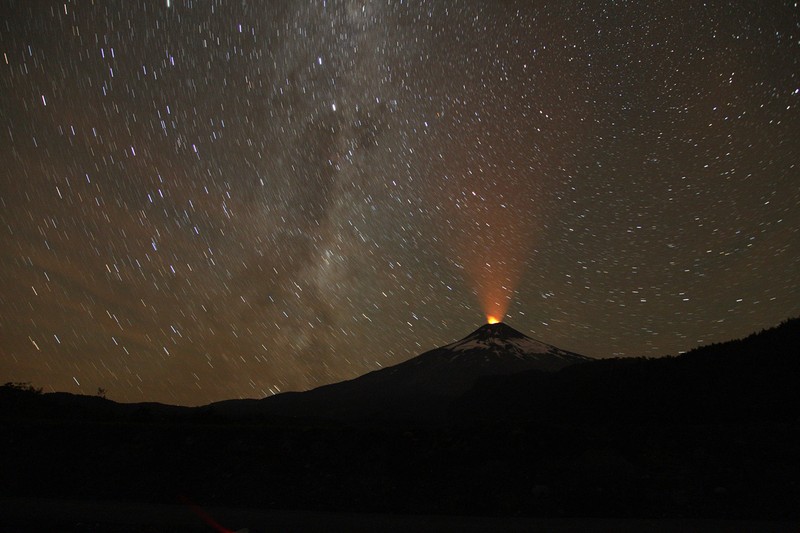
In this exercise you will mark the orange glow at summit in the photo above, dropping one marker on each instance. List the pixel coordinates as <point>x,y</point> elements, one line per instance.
<point>496,220</point>
<point>494,293</point>
<point>495,262</point>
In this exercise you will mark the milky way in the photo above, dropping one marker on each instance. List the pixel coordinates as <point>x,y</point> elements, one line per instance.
<point>208,199</point>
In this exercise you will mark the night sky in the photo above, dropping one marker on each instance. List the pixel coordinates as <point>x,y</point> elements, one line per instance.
<point>202,200</point>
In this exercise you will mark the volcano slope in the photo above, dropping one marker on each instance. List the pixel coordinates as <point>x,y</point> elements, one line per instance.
<point>421,388</point>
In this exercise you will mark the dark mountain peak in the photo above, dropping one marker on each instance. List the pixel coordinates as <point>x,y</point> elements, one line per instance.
<point>499,330</point>
<point>422,387</point>
<point>493,344</point>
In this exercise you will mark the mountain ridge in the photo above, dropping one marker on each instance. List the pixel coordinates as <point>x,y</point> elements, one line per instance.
<point>711,433</point>
<point>423,386</point>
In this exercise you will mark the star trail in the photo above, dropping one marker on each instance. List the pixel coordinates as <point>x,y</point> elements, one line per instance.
<point>203,200</point>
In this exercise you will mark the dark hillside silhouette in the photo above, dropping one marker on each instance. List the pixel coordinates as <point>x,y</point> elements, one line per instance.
<point>752,379</point>
<point>713,433</point>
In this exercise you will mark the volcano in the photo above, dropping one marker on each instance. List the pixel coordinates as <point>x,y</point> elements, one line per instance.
<point>421,387</point>
<point>491,349</point>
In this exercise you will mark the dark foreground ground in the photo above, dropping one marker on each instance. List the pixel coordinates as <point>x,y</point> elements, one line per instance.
<point>26,515</point>
<point>719,471</point>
